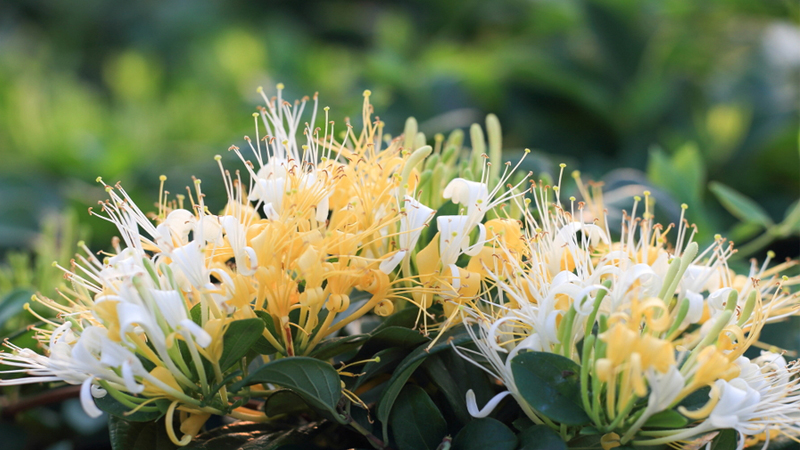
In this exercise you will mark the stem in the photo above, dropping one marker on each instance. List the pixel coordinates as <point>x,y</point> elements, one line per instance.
<point>754,245</point>
<point>377,443</point>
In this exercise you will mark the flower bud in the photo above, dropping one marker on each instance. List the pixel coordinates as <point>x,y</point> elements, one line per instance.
<point>384,308</point>
<point>338,303</point>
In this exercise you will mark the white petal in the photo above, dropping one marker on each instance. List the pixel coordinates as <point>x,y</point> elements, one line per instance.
<point>130,382</point>
<point>270,212</point>
<point>390,263</point>
<point>200,335</point>
<point>323,207</point>
<point>472,404</point>
<point>87,401</point>
<point>475,249</point>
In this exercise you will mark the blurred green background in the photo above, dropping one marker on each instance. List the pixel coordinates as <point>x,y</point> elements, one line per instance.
<point>695,100</point>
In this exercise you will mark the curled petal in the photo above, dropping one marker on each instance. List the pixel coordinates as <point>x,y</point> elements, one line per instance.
<point>472,404</point>
<point>87,401</point>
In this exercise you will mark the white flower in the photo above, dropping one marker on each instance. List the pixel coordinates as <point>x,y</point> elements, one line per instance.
<point>415,218</point>
<point>246,260</point>
<point>454,240</point>
<point>474,195</point>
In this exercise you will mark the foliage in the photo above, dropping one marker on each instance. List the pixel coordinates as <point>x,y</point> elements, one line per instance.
<point>595,83</point>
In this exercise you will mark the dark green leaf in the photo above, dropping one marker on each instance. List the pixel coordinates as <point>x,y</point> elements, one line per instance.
<point>393,388</point>
<point>485,433</point>
<point>389,358</point>
<point>541,437</point>
<point>316,381</point>
<point>110,405</point>
<point>238,339</point>
<point>443,378</point>
<point>725,440</point>
<point>454,336</point>
<point>390,337</point>
<point>284,402</point>
<point>666,419</point>
<point>338,345</point>
<point>12,304</point>
<point>550,384</point>
<point>416,422</point>
<point>405,318</point>
<point>740,206</point>
<point>696,399</point>
<point>127,435</point>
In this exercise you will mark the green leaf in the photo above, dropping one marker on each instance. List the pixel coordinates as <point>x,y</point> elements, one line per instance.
<point>196,314</point>
<point>454,376</point>
<point>405,318</point>
<point>416,422</point>
<point>127,435</point>
<point>455,336</point>
<point>550,384</point>
<point>12,304</point>
<point>726,439</point>
<point>791,220</point>
<point>314,380</point>
<point>389,358</point>
<point>540,437</point>
<point>666,419</point>
<point>393,388</point>
<point>338,345</point>
<point>485,433</point>
<point>740,206</point>
<point>284,401</point>
<point>696,399</point>
<point>391,337</point>
<point>238,339</point>
<point>110,405</point>
<point>682,175</point>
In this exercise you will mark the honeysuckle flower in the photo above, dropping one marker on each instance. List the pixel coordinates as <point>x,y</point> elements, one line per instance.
<point>416,216</point>
<point>322,228</point>
<point>637,297</point>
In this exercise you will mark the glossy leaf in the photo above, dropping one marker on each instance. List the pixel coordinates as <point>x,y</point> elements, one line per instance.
<point>338,345</point>
<point>740,206</point>
<point>541,437</point>
<point>314,380</point>
<point>391,337</point>
<point>454,336</point>
<point>485,433</point>
<point>238,339</point>
<point>550,384</point>
<point>389,359</point>
<point>416,422</point>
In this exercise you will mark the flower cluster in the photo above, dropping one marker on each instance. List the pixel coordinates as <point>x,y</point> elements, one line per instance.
<point>314,237</point>
<point>641,338</point>
<point>644,321</point>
